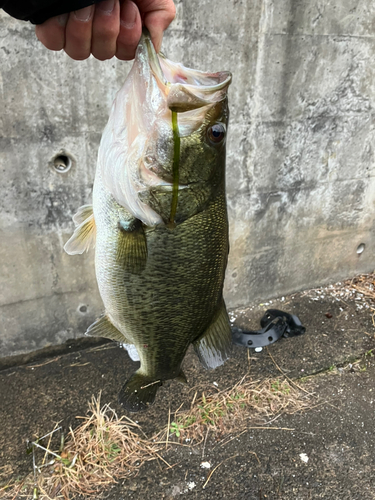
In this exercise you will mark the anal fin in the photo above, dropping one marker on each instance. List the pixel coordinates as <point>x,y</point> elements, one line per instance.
<point>138,393</point>
<point>132,247</point>
<point>84,235</point>
<point>214,346</point>
<point>104,328</point>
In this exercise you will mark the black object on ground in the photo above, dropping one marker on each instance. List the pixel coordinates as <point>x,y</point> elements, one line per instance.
<point>275,324</point>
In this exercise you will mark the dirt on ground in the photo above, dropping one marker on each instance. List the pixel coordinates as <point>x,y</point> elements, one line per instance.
<point>324,452</point>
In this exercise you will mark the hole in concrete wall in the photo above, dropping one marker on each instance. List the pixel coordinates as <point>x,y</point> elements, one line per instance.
<point>62,162</point>
<point>82,309</point>
<point>360,248</point>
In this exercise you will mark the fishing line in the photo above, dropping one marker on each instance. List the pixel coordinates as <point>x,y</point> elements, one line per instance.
<point>175,168</point>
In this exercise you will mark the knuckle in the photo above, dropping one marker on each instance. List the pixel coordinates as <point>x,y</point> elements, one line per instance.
<point>107,33</point>
<point>76,38</point>
<point>128,41</point>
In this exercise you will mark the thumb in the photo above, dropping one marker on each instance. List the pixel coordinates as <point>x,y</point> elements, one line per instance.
<point>157,15</point>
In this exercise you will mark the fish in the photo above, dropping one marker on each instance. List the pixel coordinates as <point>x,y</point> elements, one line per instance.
<point>159,223</point>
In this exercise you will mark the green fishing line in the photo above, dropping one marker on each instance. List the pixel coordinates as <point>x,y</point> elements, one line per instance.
<point>175,167</point>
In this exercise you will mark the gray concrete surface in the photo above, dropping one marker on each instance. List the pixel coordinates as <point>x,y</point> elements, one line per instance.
<point>300,155</point>
<point>336,433</point>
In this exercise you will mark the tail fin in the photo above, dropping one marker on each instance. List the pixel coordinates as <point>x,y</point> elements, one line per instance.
<point>138,393</point>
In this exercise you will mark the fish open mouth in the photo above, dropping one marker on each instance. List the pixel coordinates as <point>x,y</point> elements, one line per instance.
<point>186,89</point>
<point>160,103</point>
<point>189,93</point>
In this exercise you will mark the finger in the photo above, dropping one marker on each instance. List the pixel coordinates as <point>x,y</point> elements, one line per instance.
<point>130,31</point>
<point>158,15</point>
<point>52,32</point>
<point>105,29</point>
<point>78,33</point>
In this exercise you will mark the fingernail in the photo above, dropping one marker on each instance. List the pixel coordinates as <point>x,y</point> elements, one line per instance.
<point>62,19</point>
<point>84,14</point>
<point>106,6</point>
<point>129,12</point>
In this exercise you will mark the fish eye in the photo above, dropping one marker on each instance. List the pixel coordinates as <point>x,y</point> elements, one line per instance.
<point>216,133</point>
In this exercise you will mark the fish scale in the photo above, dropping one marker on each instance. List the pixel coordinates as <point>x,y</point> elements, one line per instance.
<point>145,303</point>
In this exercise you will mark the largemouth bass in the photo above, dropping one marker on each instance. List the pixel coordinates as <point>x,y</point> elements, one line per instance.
<point>159,221</point>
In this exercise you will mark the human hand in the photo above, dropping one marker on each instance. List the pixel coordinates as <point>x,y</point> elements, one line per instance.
<point>106,29</point>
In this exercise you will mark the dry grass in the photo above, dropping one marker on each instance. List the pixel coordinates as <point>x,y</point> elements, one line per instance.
<point>249,402</point>
<point>5,471</point>
<point>105,448</point>
<point>99,451</point>
<point>102,448</point>
<point>365,284</point>
<point>360,288</point>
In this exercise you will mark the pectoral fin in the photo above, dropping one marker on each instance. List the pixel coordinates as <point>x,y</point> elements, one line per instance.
<point>104,328</point>
<point>82,214</point>
<point>138,393</point>
<point>132,246</point>
<point>214,346</point>
<point>84,235</point>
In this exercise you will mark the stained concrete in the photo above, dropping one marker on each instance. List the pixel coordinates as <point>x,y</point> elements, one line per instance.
<point>300,155</point>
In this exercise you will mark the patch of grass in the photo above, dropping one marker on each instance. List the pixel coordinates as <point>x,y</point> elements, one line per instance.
<point>304,379</point>
<point>175,429</point>
<point>101,450</point>
<point>105,448</point>
<point>230,409</point>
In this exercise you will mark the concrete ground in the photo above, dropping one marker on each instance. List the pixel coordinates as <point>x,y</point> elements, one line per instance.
<point>328,452</point>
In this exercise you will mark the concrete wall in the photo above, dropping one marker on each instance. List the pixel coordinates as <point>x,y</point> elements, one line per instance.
<point>300,155</point>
